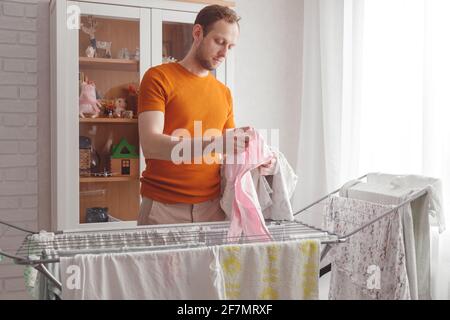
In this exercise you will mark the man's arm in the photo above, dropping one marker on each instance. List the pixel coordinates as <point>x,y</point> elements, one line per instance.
<point>156,145</point>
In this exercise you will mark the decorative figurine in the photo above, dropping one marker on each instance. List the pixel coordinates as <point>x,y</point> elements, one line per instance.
<point>123,54</point>
<point>108,107</point>
<point>88,103</point>
<point>119,106</point>
<point>106,46</point>
<point>125,159</point>
<point>132,98</point>
<point>169,60</point>
<point>128,114</point>
<point>96,215</point>
<point>91,51</point>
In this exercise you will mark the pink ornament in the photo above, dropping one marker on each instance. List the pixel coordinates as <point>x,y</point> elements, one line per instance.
<point>88,101</point>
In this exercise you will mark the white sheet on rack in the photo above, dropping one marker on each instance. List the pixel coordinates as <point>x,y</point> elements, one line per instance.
<point>270,271</point>
<point>416,230</point>
<point>36,244</point>
<point>416,182</point>
<point>372,264</point>
<point>281,270</point>
<point>184,274</point>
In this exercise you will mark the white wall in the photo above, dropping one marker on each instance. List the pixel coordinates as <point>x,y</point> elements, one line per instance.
<point>268,69</point>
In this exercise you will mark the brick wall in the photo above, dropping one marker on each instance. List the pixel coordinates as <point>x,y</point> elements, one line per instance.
<point>18,133</point>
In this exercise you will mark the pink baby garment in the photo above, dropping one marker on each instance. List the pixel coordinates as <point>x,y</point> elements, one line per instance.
<point>246,216</point>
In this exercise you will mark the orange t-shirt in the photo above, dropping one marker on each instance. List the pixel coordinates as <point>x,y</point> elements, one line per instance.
<point>184,98</point>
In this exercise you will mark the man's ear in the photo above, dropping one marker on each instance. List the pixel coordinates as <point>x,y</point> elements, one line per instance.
<point>197,32</point>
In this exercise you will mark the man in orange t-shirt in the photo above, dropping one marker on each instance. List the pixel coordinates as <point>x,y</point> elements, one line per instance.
<point>184,103</point>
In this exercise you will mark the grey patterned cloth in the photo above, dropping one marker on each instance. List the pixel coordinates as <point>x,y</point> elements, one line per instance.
<point>372,264</point>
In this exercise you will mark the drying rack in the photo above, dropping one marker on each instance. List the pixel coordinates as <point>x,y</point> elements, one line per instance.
<point>39,253</point>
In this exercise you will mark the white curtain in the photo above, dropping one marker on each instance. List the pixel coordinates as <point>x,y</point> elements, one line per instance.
<point>322,72</point>
<point>376,97</point>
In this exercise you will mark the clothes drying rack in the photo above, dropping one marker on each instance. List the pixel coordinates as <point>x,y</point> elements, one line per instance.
<point>39,253</point>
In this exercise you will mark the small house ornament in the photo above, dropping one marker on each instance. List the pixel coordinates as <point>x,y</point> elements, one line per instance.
<point>124,160</point>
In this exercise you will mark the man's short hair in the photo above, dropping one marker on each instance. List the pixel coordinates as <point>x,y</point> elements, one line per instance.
<point>211,14</point>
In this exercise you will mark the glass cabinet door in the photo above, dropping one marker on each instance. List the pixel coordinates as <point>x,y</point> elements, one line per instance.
<point>109,51</point>
<point>177,40</point>
<point>174,38</point>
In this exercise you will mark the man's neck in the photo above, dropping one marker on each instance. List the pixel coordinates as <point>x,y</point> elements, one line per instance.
<point>192,65</point>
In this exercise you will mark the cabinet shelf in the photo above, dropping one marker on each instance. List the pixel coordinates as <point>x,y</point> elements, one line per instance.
<point>109,120</point>
<point>107,179</point>
<point>109,64</point>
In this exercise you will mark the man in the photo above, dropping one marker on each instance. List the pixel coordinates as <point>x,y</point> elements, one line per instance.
<point>183,97</point>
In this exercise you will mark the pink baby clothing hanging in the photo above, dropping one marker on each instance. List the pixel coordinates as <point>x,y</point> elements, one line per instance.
<point>246,217</point>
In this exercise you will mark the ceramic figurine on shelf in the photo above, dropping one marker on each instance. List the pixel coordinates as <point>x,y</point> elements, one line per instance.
<point>119,107</point>
<point>90,30</point>
<point>128,114</point>
<point>108,107</point>
<point>106,46</point>
<point>123,54</point>
<point>91,51</point>
<point>169,60</point>
<point>132,98</point>
<point>88,102</point>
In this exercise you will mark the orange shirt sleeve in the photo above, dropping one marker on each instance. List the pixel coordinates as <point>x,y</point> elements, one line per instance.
<point>229,124</point>
<point>153,92</point>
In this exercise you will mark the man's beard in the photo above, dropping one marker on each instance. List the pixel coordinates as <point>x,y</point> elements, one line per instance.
<point>205,63</point>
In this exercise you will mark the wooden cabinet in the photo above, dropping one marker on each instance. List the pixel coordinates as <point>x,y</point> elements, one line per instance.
<point>130,37</point>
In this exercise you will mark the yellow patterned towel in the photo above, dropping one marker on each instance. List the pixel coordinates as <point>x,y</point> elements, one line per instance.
<point>271,271</point>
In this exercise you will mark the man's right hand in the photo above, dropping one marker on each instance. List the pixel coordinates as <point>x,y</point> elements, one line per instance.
<point>236,140</point>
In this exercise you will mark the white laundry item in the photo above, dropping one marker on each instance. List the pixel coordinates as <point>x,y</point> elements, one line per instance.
<point>273,191</point>
<point>270,271</point>
<point>416,230</point>
<point>282,183</point>
<point>186,274</point>
<point>43,289</point>
<point>263,189</point>
<point>343,191</point>
<point>37,241</point>
<point>416,182</point>
<point>372,263</point>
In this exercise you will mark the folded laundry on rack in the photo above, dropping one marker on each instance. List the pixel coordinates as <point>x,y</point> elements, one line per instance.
<point>250,196</point>
<point>394,189</point>
<point>163,262</point>
<point>47,245</point>
<point>282,270</point>
<point>372,264</point>
<point>415,182</point>
<point>31,275</point>
<point>171,274</point>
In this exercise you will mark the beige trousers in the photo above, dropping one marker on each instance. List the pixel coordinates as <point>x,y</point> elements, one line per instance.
<point>153,212</point>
